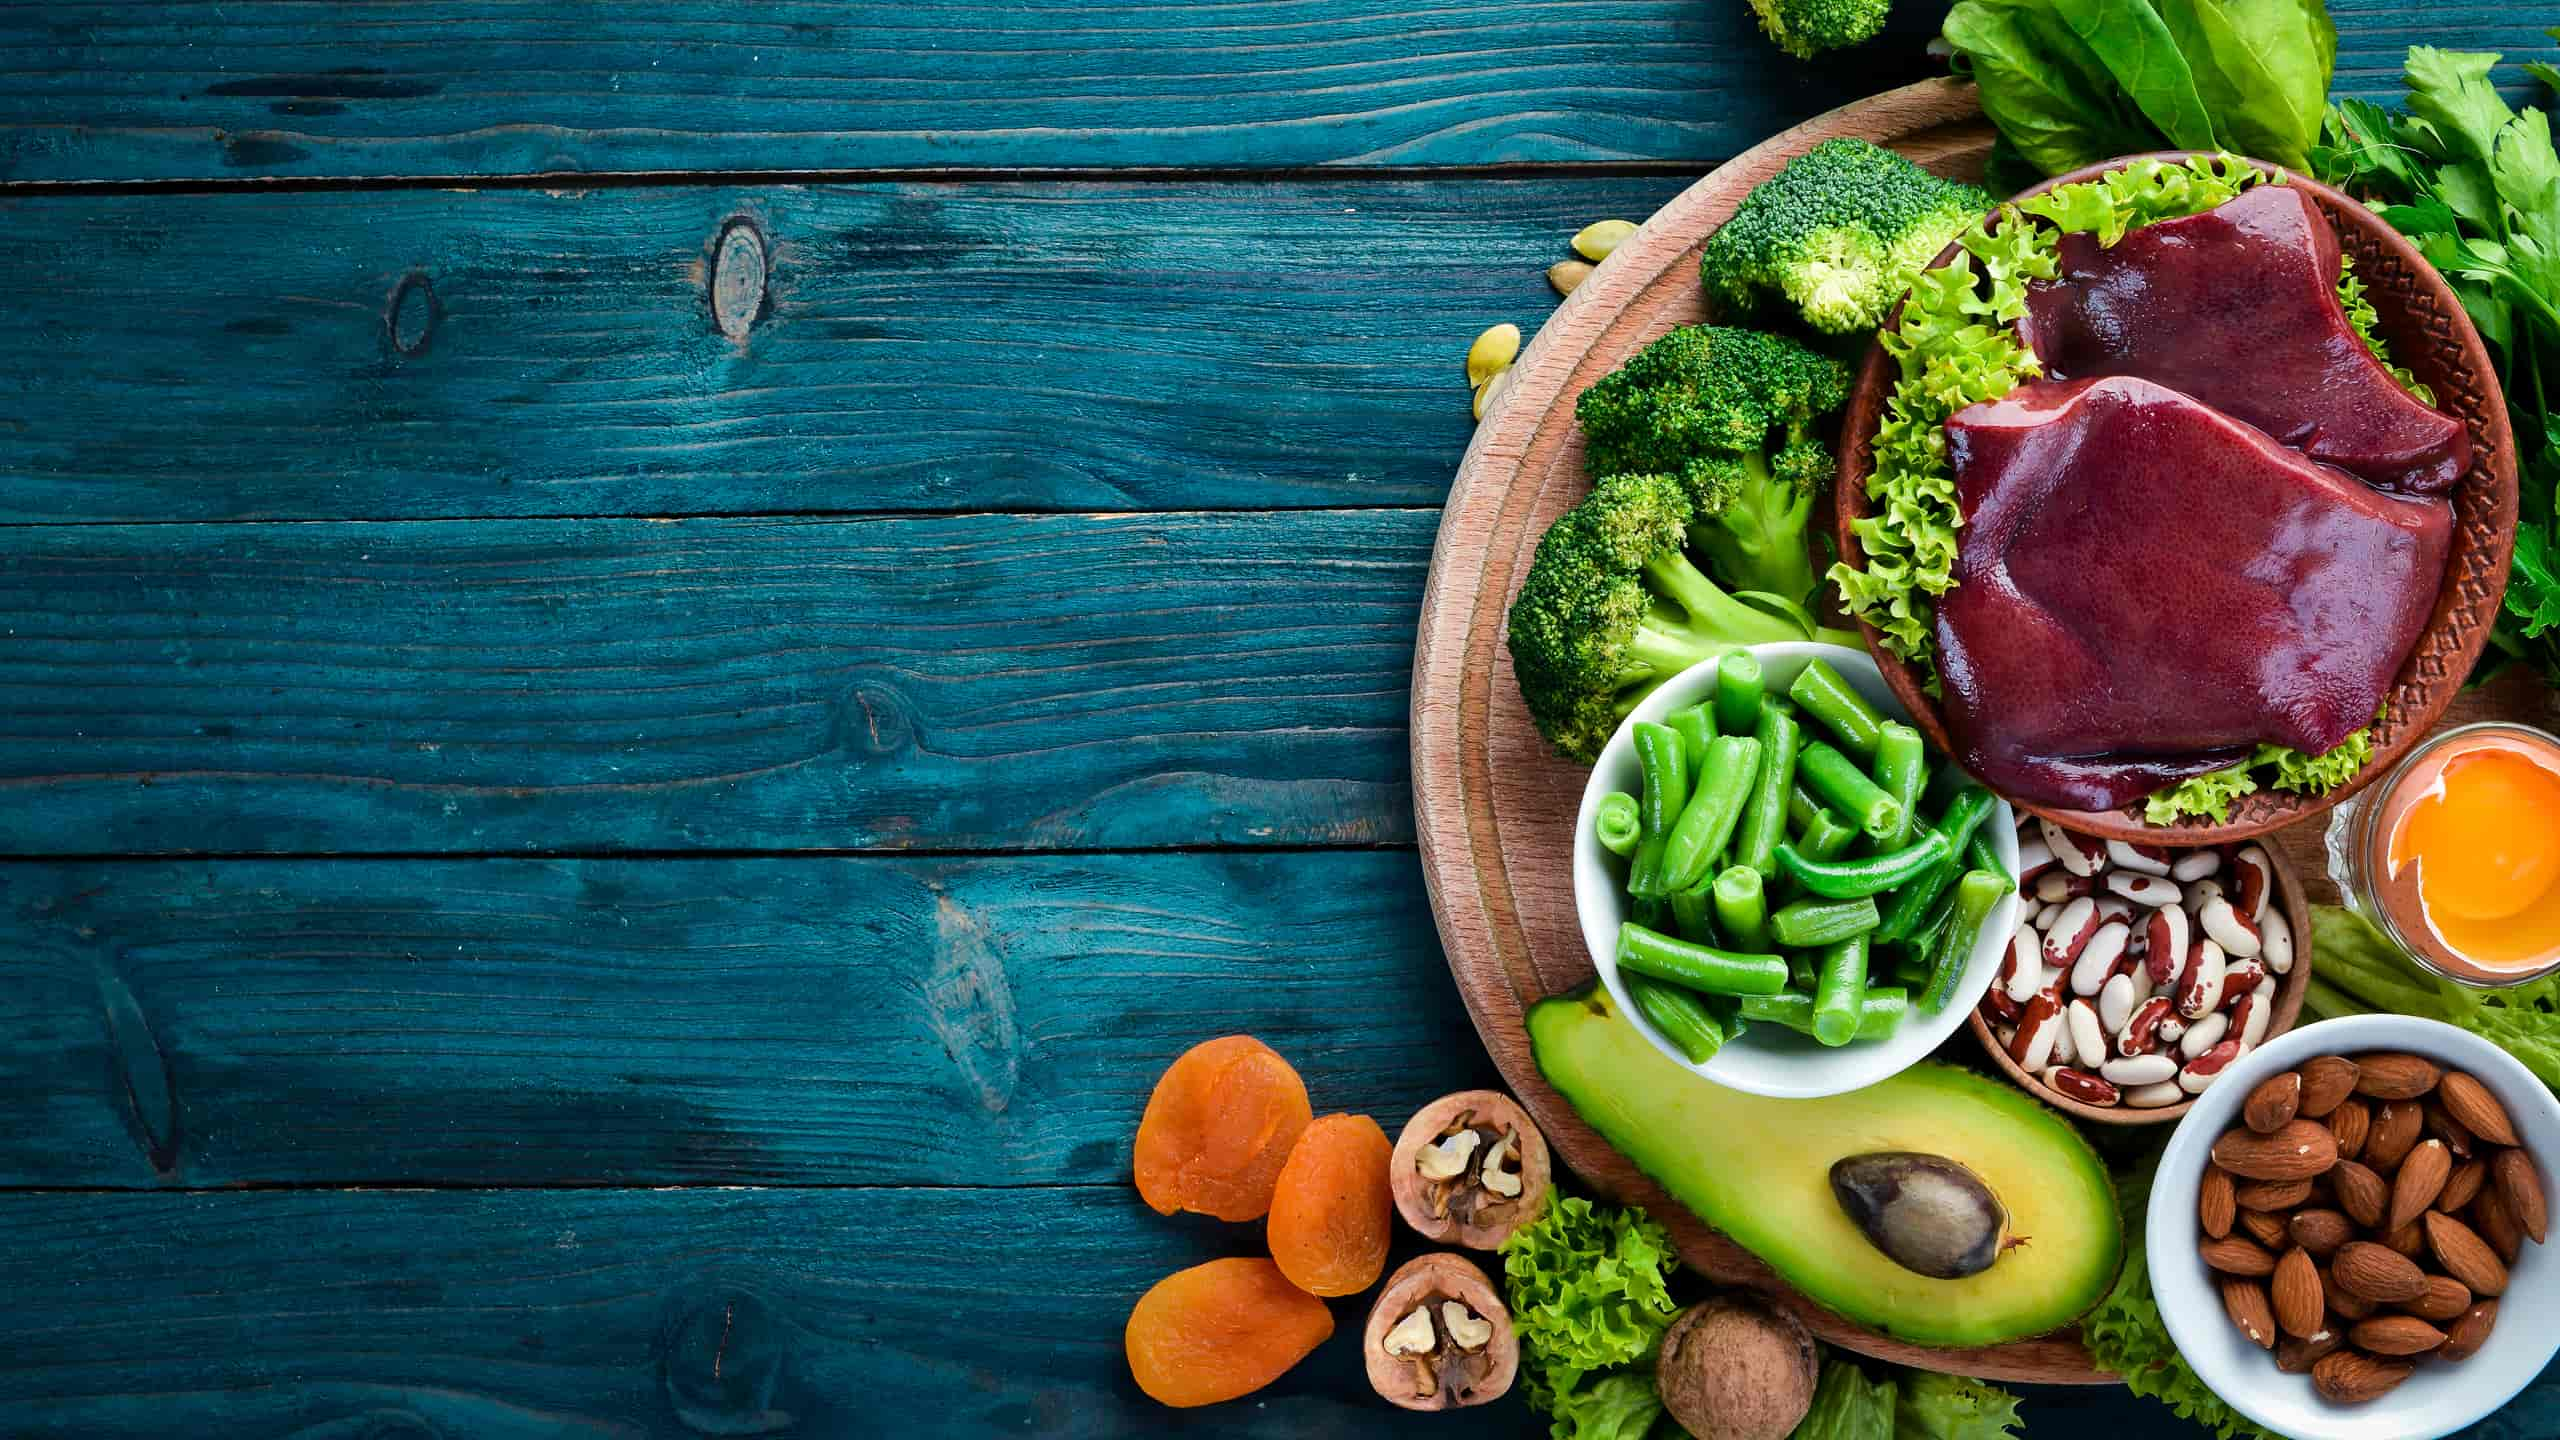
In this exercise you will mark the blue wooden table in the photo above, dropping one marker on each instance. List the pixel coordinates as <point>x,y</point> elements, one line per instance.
<point>656,655</point>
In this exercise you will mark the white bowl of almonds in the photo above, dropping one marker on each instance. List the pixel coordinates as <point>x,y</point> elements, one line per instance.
<point>2343,1235</point>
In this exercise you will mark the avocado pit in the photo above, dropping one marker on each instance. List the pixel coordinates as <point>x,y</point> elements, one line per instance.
<point>1927,1213</point>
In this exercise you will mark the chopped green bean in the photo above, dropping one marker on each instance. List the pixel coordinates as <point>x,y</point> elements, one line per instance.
<point>1837,782</point>
<point>1650,911</point>
<point>1977,894</point>
<point>1666,777</point>
<point>1912,970</point>
<point>1839,985</point>
<point>1738,690</point>
<point>1801,807</point>
<point>1690,913</point>
<point>1836,705</point>
<point>1697,727</point>
<point>1961,824</point>
<point>1800,972</point>
<point>1981,854</point>
<point>1616,823</point>
<point>1878,1015</point>
<point>1682,1018</point>
<point>1698,967</point>
<point>1742,909</point>
<point>1902,771</point>
<point>1764,814</point>
<point>1715,806</point>
<point>1827,838</point>
<point>1868,874</point>
<point>1644,869</point>
<point>1815,921</point>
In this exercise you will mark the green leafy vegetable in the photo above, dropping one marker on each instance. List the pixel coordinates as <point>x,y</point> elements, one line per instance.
<point>2211,794</point>
<point>1624,1406</point>
<point>2357,970</point>
<point>1588,1290</point>
<point>2126,1334</point>
<point>1848,1406</point>
<point>2477,186</point>
<point>1806,28</point>
<point>1952,1407</point>
<point>2072,82</point>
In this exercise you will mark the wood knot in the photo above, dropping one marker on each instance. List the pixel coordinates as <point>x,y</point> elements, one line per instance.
<point>738,278</point>
<point>142,1077</point>
<point>874,719</point>
<point>723,1358</point>
<point>409,317</point>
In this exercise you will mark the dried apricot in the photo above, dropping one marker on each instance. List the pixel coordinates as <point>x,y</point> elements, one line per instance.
<point>1218,1128</point>
<point>1220,1330</point>
<point>1333,1213</point>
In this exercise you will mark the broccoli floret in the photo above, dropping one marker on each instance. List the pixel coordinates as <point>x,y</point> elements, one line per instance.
<point>1613,606</point>
<point>1839,233</point>
<point>1805,28</point>
<point>1731,415</point>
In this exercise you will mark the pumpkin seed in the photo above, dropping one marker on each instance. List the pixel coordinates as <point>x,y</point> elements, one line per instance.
<point>1492,353</point>
<point>1566,274</point>
<point>1486,392</point>
<point>1600,237</point>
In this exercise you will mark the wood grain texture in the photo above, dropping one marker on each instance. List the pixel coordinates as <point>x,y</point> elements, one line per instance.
<point>206,90</point>
<point>987,681</point>
<point>1493,805</point>
<point>415,354</point>
<point>991,1021</point>
<point>508,87</point>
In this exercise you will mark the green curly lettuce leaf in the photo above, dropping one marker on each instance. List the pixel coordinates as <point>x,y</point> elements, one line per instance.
<point>1954,345</point>
<point>2288,769</point>
<point>1623,1406</point>
<point>1953,1407</point>
<point>1588,1290</point>
<point>1848,1406</point>
<point>2126,1334</point>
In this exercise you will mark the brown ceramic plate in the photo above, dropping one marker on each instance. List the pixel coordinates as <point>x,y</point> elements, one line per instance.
<point>2424,327</point>
<point>2296,905</point>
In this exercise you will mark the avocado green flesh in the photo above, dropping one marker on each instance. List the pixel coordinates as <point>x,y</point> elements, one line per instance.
<point>1759,1170</point>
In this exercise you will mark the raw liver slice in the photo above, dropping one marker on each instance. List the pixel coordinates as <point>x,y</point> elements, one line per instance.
<point>2145,588</point>
<point>2238,307</point>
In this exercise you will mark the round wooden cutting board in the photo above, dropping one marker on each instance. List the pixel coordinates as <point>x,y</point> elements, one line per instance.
<point>1493,805</point>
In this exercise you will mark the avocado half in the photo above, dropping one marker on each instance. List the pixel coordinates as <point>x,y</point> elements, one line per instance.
<point>1759,1170</point>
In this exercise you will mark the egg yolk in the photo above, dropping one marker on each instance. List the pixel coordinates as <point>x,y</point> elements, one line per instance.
<point>2486,841</point>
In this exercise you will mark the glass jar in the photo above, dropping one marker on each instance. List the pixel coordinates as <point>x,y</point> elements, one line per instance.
<point>2361,834</point>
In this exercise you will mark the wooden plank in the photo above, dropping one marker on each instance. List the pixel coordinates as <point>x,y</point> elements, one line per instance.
<point>917,347</point>
<point>989,1021</point>
<point>987,681</point>
<point>508,1316</point>
<point>220,91</point>
<point>502,87</point>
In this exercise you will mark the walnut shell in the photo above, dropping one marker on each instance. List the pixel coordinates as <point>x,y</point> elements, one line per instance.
<point>1737,1368</point>
<point>1461,1210</point>
<point>1450,1375</point>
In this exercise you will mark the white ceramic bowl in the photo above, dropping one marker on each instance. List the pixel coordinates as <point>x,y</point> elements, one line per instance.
<point>1768,1059</point>
<point>2440,1398</point>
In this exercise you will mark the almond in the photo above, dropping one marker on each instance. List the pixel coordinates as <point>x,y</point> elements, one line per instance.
<point>2216,1202</point>
<point>2236,1256</point>
<point>2264,1226</point>
<point>2446,1299</point>
<point>2296,1357</point>
<point>2273,1103</point>
<point>2520,1190</point>
<point>2462,1185</point>
<point>2465,1256</point>
<point>2351,1121</point>
<point>2395,1335</point>
<point>2372,1272</point>
<point>2281,1196</point>
<point>2346,1304</point>
<point>2320,1231</point>
<point>2245,1301</point>
<point>2420,1181</point>
<point>2361,1193</point>
<point>2465,1336</point>
<point>2469,1102</point>
<point>2489,1216</point>
<point>2396,1076</point>
<point>2396,1127</point>
<point>2298,1151</point>
<point>2351,1377</point>
<point>2325,1082</point>
<point>2457,1137</point>
<point>2299,1304</point>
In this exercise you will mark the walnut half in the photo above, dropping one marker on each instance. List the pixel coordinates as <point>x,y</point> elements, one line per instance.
<point>1439,1338</point>
<point>1469,1169</point>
